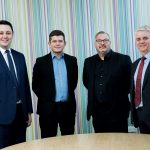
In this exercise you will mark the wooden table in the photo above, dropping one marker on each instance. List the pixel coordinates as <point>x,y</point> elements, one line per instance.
<point>99,141</point>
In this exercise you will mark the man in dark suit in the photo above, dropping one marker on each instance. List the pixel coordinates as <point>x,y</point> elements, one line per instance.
<point>55,78</point>
<point>15,97</point>
<point>106,76</point>
<point>140,87</point>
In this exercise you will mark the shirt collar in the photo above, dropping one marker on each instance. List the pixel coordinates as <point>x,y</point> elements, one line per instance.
<point>54,55</point>
<point>147,56</point>
<point>107,56</point>
<point>3,50</point>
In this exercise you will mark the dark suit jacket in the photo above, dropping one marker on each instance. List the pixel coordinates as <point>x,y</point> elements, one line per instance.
<point>145,94</point>
<point>118,84</point>
<point>8,95</point>
<point>43,83</point>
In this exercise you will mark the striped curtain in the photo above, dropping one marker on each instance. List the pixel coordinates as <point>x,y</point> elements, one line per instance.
<point>80,20</point>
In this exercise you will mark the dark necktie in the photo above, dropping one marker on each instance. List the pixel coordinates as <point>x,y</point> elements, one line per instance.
<point>11,66</point>
<point>137,99</point>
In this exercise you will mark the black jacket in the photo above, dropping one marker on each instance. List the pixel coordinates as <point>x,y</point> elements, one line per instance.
<point>117,83</point>
<point>43,82</point>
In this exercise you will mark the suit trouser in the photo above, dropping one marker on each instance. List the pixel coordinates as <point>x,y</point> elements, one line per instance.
<point>62,114</point>
<point>144,123</point>
<point>103,125</point>
<point>105,121</point>
<point>15,132</point>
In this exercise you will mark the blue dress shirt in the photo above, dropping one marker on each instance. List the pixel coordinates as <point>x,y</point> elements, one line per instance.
<point>60,75</point>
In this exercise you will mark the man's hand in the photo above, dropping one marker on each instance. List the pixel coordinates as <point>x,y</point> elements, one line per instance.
<point>29,119</point>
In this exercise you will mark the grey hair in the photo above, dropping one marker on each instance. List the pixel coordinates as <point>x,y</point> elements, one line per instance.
<point>144,28</point>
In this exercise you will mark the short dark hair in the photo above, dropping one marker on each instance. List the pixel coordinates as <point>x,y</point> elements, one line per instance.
<point>5,22</point>
<point>56,33</point>
<point>102,32</point>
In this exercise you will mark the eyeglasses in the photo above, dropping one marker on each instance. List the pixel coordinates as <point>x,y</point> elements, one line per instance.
<point>104,41</point>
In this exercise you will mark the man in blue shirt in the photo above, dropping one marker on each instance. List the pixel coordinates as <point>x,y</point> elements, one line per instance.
<point>55,78</point>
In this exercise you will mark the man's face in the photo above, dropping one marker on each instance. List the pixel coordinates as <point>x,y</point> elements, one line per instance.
<point>143,41</point>
<point>102,43</point>
<point>6,36</point>
<point>57,44</point>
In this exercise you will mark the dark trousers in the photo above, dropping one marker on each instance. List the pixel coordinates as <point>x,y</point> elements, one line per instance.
<point>102,125</point>
<point>105,121</point>
<point>144,123</point>
<point>15,132</point>
<point>62,115</point>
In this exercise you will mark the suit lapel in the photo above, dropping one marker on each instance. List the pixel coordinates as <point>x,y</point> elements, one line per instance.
<point>135,66</point>
<point>92,69</point>
<point>133,69</point>
<point>17,65</point>
<point>146,74</point>
<point>49,68</point>
<point>4,65</point>
<point>68,67</point>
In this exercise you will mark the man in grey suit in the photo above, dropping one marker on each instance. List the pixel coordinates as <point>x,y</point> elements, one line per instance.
<point>140,88</point>
<point>15,97</point>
